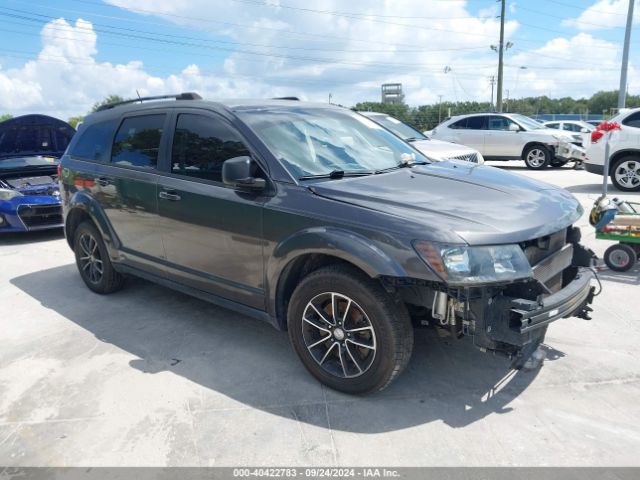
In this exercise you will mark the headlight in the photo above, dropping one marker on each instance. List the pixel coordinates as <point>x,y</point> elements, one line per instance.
<point>6,194</point>
<point>460,264</point>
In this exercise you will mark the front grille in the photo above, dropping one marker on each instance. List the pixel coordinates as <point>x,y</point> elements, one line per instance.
<point>35,216</point>
<point>471,157</point>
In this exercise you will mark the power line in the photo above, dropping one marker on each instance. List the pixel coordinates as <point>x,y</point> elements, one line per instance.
<point>247,52</point>
<point>185,17</point>
<point>583,9</point>
<point>546,14</point>
<point>208,40</point>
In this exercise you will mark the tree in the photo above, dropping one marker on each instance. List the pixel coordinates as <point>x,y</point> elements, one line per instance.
<point>74,121</point>
<point>6,116</point>
<point>108,101</point>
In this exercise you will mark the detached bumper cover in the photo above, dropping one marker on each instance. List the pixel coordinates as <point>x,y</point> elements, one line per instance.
<point>565,303</point>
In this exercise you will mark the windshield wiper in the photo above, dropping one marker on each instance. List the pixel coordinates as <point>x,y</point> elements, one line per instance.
<point>399,166</point>
<point>336,174</point>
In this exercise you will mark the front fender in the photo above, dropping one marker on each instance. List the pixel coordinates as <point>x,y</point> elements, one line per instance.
<point>342,244</point>
<point>90,207</point>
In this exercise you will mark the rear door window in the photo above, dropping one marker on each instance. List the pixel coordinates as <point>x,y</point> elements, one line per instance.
<point>477,123</point>
<point>553,125</point>
<point>137,142</point>
<point>94,142</point>
<point>201,145</point>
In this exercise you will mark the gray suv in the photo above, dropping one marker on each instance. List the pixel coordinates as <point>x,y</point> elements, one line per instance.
<point>320,222</point>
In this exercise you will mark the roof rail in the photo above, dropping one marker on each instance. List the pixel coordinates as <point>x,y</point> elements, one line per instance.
<point>286,98</point>
<point>180,96</point>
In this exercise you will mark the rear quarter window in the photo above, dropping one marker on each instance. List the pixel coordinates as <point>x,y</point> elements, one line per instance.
<point>94,142</point>
<point>632,120</point>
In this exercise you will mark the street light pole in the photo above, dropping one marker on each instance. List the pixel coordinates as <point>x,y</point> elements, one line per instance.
<point>500,58</point>
<point>439,108</point>
<point>622,92</point>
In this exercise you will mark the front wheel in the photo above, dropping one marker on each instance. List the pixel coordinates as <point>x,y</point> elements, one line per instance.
<point>625,174</point>
<point>620,257</point>
<point>537,157</point>
<point>348,331</point>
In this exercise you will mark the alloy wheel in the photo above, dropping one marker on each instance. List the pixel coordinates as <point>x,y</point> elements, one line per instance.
<point>627,174</point>
<point>536,157</point>
<point>91,262</point>
<point>619,258</point>
<point>339,335</point>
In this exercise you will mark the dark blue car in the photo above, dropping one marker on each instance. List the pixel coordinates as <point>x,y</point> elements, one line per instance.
<point>30,148</point>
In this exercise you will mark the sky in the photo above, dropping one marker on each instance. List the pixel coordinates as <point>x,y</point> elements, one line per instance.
<point>59,57</point>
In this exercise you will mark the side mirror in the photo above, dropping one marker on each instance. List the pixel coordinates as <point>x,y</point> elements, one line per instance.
<point>514,127</point>
<point>236,173</point>
<point>584,130</point>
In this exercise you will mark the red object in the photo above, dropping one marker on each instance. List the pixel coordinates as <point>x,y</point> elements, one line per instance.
<point>608,126</point>
<point>596,135</point>
<point>59,170</point>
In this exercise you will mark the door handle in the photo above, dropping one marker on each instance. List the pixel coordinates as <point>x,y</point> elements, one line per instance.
<point>103,181</point>
<point>170,195</point>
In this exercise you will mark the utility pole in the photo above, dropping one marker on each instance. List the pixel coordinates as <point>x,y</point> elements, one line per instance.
<point>492,81</point>
<point>439,108</point>
<point>500,58</point>
<point>622,92</point>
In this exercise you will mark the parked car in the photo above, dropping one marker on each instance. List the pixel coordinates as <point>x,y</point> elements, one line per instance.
<point>434,149</point>
<point>594,123</point>
<point>509,136</point>
<point>318,221</point>
<point>30,148</point>
<point>579,129</point>
<point>624,151</point>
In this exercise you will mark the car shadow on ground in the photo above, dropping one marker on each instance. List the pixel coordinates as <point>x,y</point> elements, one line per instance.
<point>22,238</point>
<point>246,360</point>
<point>630,277</point>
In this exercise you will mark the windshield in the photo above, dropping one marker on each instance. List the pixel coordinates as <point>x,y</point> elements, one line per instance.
<point>318,141</point>
<point>528,123</point>
<point>402,130</point>
<point>27,162</point>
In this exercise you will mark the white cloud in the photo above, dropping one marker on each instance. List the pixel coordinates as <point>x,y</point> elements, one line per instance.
<point>347,55</point>
<point>602,15</point>
<point>65,79</point>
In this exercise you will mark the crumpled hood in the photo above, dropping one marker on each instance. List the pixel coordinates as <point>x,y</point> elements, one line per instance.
<point>442,150</point>
<point>454,202</point>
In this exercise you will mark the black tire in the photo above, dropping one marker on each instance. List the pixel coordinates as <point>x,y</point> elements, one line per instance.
<point>93,261</point>
<point>374,318</point>
<point>627,165</point>
<point>537,157</point>
<point>620,257</point>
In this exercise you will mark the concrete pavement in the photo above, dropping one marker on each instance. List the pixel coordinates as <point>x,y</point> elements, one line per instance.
<point>152,377</point>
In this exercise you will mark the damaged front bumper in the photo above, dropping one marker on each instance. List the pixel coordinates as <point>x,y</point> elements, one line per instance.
<point>507,324</point>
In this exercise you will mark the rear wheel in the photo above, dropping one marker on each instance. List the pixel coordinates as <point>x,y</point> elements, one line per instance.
<point>625,174</point>
<point>620,257</point>
<point>93,260</point>
<point>348,331</point>
<point>537,157</point>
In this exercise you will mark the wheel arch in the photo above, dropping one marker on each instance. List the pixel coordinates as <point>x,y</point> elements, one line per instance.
<point>531,144</point>
<point>622,153</point>
<point>309,250</point>
<point>82,207</point>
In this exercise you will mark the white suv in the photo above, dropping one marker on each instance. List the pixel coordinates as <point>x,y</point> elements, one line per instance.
<point>624,163</point>
<point>433,149</point>
<point>509,136</point>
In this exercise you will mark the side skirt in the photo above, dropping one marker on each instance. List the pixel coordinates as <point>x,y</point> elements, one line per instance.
<point>207,297</point>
